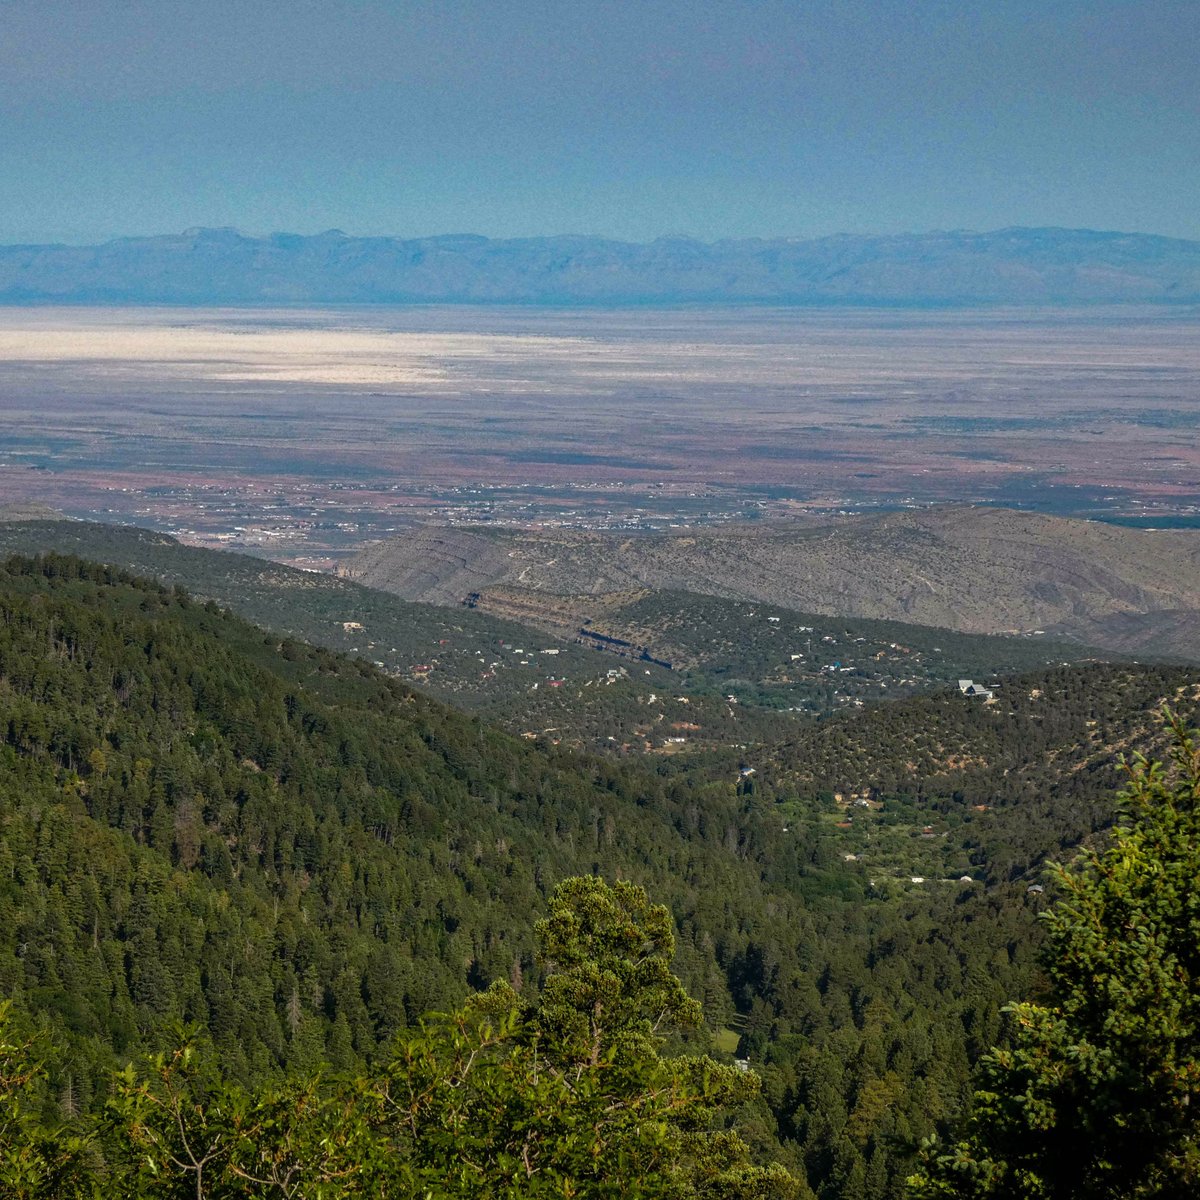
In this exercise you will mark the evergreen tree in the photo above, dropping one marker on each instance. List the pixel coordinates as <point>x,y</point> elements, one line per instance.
<point>573,1096</point>
<point>1099,1094</point>
<point>569,1098</point>
<point>37,1161</point>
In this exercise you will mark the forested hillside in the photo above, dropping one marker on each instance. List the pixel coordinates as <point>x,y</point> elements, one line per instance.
<point>205,822</point>
<point>552,680</point>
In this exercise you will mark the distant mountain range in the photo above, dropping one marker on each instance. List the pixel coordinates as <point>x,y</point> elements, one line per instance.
<point>1009,266</point>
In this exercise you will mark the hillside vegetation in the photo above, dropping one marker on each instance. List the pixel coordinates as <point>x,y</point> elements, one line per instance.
<point>566,1093</point>
<point>528,664</point>
<point>974,570</point>
<point>209,823</point>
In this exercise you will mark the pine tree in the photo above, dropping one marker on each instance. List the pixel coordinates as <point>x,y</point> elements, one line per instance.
<point>1098,1098</point>
<point>573,1096</point>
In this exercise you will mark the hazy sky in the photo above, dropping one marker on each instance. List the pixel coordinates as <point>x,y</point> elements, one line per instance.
<point>631,118</point>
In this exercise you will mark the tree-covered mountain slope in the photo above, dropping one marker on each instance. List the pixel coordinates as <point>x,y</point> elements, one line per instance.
<point>202,821</point>
<point>948,786</point>
<point>318,824</point>
<point>516,676</point>
<point>577,1090</point>
<point>773,654</point>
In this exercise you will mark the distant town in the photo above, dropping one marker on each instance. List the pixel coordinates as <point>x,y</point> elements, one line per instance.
<point>301,436</point>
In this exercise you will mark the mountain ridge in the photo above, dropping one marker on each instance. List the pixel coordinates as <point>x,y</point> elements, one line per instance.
<point>1038,266</point>
<point>973,569</point>
<point>534,667</point>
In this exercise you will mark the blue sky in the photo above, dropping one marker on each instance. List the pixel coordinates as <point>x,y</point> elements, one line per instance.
<point>628,119</point>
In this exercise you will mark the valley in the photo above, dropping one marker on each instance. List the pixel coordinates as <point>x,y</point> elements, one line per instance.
<point>361,790</point>
<point>300,433</point>
<point>280,843</point>
<point>381,628</point>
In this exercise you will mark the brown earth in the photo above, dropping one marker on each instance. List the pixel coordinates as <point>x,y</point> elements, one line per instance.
<point>972,569</point>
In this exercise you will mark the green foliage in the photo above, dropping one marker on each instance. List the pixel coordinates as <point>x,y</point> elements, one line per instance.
<point>609,990</point>
<point>1099,1094</point>
<point>202,826</point>
<point>38,1161</point>
<point>1001,785</point>
<point>202,823</point>
<point>177,1129</point>
<point>484,1102</point>
<point>571,1096</point>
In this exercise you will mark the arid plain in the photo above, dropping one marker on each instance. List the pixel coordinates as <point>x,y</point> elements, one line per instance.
<point>301,433</point>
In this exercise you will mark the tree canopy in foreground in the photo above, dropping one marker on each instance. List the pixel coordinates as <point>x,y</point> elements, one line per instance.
<point>1098,1095</point>
<point>568,1096</point>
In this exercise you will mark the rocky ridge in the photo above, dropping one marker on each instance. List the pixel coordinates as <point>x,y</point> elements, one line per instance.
<point>974,570</point>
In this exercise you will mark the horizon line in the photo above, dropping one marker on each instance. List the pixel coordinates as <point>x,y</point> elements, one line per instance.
<point>794,239</point>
